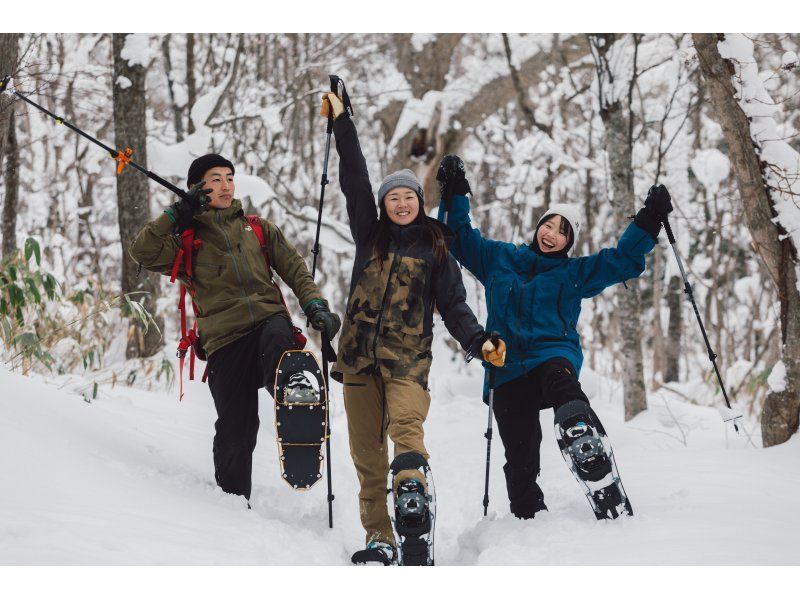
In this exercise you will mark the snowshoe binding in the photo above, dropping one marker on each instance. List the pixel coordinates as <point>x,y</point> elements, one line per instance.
<point>376,553</point>
<point>414,511</point>
<point>587,450</point>
<point>299,389</point>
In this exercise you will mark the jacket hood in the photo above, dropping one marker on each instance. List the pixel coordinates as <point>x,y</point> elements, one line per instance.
<point>572,215</point>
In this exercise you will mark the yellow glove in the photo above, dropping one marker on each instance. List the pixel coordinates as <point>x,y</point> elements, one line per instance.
<point>496,355</point>
<point>330,101</point>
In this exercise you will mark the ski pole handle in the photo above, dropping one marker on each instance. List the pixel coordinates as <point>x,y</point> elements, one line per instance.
<point>337,87</point>
<point>494,337</point>
<point>668,229</point>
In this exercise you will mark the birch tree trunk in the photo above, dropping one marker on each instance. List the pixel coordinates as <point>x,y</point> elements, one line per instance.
<point>133,201</point>
<point>779,419</point>
<point>619,148</point>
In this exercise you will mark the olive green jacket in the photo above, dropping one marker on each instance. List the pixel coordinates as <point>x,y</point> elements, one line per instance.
<point>234,293</point>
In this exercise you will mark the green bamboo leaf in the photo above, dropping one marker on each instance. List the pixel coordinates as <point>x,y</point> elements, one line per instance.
<point>16,296</point>
<point>32,248</point>
<point>49,283</point>
<point>32,290</point>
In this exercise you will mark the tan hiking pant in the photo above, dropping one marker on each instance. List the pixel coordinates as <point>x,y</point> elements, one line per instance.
<point>376,408</point>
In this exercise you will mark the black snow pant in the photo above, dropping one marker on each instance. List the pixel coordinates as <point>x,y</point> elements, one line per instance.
<point>235,373</point>
<point>516,408</point>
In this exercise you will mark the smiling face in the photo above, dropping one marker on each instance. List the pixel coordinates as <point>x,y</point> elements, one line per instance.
<point>220,180</point>
<point>553,234</point>
<point>402,205</point>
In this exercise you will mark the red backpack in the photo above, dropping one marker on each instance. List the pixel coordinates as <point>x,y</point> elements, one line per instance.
<point>189,340</point>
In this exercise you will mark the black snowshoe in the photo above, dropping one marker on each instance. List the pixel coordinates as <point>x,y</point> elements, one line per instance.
<point>586,449</point>
<point>301,426</point>
<point>414,511</point>
<point>376,553</point>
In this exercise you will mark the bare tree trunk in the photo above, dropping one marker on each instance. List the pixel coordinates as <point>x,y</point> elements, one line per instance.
<point>9,226</point>
<point>779,419</point>
<point>133,201</point>
<point>177,116</point>
<point>618,128</point>
<point>673,347</point>
<point>628,302</point>
<point>9,58</point>
<point>191,89</point>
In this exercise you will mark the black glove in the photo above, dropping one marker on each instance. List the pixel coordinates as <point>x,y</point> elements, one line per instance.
<point>323,319</point>
<point>189,206</point>
<point>656,207</point>
<point>452,178</point>
<point>658,201</point>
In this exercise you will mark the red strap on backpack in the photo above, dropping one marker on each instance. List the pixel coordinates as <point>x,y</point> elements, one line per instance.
<point>189,339</point>
<point>255,223</point>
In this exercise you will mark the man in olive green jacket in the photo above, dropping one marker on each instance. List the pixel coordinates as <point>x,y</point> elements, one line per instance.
<point>242,323</point>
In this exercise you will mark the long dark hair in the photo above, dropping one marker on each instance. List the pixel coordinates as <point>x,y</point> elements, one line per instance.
<point>431,232</point>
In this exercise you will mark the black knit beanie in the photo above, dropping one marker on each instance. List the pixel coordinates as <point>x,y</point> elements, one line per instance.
<point>203,164</point>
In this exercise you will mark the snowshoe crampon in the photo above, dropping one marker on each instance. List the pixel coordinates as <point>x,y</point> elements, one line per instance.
<point>587,451</point>
<point>414,509</point>
<point>301,427</point>
<point>376,553</point>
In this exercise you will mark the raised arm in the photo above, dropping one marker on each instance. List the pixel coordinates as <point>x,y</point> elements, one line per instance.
<point>353,174</point>
<point>475,253</point>
<point>156,245</point>
<point>625,261</point>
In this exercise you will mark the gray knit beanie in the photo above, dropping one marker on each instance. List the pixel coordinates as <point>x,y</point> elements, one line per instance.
<point>401,178</point>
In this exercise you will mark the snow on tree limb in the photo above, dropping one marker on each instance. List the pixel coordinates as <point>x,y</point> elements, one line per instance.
<point>781,162</point>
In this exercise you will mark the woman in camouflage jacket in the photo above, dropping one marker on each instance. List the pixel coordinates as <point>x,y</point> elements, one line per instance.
<point>401,271</point>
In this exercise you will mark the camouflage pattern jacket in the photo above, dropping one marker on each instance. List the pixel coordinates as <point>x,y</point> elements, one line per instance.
<point>388,326</point>
<point>234,291</point>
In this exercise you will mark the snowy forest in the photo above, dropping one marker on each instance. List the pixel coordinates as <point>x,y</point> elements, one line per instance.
<point>588,119</point>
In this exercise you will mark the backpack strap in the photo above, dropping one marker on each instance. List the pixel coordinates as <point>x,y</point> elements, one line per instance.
<point>189,244</point>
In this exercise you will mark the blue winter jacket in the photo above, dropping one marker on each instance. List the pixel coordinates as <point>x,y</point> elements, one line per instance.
<point>534,301</point>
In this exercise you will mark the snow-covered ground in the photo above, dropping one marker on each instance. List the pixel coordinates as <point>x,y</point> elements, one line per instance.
<point>128,479</point>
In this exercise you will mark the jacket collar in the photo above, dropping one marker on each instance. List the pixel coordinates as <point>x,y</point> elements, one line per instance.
<point>412,232</point>
<point>210,215</point>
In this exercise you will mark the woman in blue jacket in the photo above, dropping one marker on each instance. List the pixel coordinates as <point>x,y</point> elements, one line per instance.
<point>533,296</point>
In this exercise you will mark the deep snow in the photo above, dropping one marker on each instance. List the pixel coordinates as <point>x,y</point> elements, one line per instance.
<point>128,479</point>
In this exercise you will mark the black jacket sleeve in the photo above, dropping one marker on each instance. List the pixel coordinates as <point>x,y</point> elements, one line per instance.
<point>354,181</point>
<point>451,300</point>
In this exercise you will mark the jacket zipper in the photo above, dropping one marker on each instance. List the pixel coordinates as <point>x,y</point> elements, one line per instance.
<point>247,265</point>
<point>238,274</point>
<point>558,307</point>
<point>395,261</point>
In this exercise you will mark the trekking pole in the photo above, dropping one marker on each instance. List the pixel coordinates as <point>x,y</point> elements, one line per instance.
<point>328,354</point>
<point>123,158</point>
<point>687,288</point>
<point>488,435</point>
